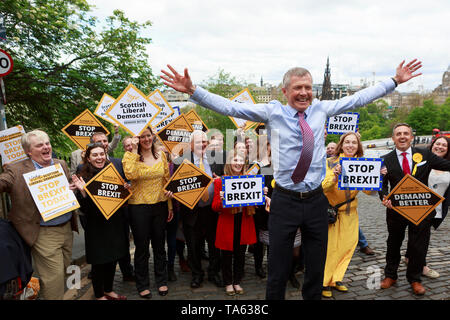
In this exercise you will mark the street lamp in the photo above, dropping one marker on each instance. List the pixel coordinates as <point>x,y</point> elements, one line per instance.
<point>414,135</point>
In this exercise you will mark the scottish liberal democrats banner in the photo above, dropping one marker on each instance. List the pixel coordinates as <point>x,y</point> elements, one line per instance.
<point>360,174</point>
<point>242,191</point>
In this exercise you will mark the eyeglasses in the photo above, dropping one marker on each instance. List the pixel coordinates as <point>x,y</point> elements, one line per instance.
<point>95,144</point>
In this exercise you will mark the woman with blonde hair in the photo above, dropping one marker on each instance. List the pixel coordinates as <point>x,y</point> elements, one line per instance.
<point>235,228</point>
<point>343,234</point>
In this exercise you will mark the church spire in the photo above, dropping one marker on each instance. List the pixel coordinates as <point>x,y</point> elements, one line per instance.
<point>326,87</point>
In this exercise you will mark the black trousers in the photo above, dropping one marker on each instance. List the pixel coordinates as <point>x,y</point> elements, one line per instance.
<point>418,241</point>
<point>148,223</point>
<point>204,227</point>
<point>233,261</point>
<point>287,213</point>
<point>103,278</point>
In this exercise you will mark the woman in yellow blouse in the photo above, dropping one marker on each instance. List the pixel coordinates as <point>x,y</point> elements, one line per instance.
<point>342,235</point>
<point>149,209</point>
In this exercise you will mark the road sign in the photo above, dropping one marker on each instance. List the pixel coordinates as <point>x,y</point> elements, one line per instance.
<point>6,63</point>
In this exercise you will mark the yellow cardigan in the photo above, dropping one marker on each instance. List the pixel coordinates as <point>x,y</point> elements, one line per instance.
<point>147,182</point>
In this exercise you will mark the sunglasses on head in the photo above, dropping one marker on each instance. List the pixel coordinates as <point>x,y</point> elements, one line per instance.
<point>95,144</point>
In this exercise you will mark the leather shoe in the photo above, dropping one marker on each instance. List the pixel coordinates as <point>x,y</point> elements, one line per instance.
<point>340,287</point>
<point>260,272</point>
<point>163,292</point>
<point>387,283</point>
<point>216,280</point>
<point>367,250</point>
<point>326,292</point>
<point>195,283</point>
<point>418,289</point>
<point>146,296</point>
<point>119,297</point>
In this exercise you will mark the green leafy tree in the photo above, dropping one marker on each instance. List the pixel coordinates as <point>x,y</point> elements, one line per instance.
<point>65,60</point>
<point>424,119</point>
<point>225,85</point>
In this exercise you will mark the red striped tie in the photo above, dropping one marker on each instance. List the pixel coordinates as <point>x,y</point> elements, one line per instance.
<point>307,150</point>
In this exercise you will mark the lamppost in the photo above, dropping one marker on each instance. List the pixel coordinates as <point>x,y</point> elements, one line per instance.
<point>414,135</point>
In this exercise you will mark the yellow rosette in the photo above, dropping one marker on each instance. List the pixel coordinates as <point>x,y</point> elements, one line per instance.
<point>417,158</point>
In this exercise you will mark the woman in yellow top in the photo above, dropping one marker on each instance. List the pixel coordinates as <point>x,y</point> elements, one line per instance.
<point>149,209</point>
<point>342,235</point>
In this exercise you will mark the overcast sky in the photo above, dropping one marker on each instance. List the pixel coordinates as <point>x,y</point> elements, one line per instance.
<point>252,39</point>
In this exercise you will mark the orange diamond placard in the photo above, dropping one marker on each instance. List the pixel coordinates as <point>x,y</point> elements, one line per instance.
<point>176,135</point>
<point>414,200</point>
<point>107,190</point>
<point>188,184</point>
<point>80,129</point>
<point>195,121</point>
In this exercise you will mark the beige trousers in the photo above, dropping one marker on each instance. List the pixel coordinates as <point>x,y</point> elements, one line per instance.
<point>52,254</point>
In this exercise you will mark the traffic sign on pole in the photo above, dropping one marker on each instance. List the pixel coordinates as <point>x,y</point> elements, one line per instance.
<point>6,63</point>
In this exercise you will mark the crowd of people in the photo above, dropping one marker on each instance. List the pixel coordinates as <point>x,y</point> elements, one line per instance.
<point>293,224</point>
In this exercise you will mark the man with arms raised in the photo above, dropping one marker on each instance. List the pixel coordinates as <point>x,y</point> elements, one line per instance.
<point>296,133</point>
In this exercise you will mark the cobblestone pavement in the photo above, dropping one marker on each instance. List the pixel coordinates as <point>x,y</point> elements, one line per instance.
<point>361,270</point>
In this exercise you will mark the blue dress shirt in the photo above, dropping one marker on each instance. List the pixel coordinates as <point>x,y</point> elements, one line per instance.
<point>284,131</point>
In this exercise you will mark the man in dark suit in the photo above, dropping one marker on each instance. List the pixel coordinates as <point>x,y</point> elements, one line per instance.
<point>50,241</point>
<point>201,221</point>
<point>399,162</point>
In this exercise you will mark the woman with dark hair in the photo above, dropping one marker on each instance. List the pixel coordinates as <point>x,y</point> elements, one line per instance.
<point>235,228</point>
<point>439,182</point>
<point>343,234</point>
<point>147,169</point>
<point>105,241</point>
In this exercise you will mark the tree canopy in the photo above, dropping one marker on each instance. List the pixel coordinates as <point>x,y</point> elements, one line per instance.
<point>65,59</point>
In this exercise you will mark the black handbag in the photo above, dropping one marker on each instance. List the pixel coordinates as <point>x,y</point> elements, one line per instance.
<point>333,211</point>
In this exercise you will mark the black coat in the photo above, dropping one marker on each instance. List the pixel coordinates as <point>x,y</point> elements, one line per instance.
<point>105,240</point>
<point>15,256</point>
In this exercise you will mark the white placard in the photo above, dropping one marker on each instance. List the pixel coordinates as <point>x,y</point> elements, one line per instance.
<point>240,191</point>
<point>166,109</point>
<point>242,97</point>
<point>343,123</point>
<point>10,145</point>
<point>49,188</point>
<point>105,102</point>
<point>360,174</point>
<point>174,115</point>
<point>133,111</point>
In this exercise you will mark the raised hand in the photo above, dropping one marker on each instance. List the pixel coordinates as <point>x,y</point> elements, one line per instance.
<point>406,72</point>
<point>178,82</point>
